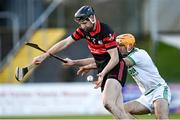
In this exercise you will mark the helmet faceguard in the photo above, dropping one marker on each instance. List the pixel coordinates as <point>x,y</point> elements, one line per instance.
<point>84,13</point>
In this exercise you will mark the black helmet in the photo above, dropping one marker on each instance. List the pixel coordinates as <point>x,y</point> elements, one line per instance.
<point>83,13</point>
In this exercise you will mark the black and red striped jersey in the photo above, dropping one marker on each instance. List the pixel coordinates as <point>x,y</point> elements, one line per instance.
<point>99,41</point>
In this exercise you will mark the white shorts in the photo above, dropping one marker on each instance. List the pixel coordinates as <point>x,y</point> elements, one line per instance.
<point>159,92</point>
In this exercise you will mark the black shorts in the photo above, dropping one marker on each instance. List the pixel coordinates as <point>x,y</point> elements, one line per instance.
<point>119,72</point>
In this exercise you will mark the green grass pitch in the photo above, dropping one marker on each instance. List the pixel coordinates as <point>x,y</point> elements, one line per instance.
<point>84,117</point>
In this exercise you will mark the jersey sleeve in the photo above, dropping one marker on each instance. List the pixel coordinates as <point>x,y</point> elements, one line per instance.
<point>135,57</point>
<point>78,34</point>
<point>109,41</point>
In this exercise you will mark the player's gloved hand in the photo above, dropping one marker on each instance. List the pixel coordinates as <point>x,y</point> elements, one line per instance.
<point>99,81</point>
<point>70,62</point>
<point>39,59</point>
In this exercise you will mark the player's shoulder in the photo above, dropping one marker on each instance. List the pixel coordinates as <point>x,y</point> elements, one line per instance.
<point>137,52</point>
<point>133,51</point>
<point>142,51</point>
<point>105,28</point>
<point>137,55</point>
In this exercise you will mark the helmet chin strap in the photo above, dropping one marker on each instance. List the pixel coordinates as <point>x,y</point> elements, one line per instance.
<point>92,21</point>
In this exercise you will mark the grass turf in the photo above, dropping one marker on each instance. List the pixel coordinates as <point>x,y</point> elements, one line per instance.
<point>83,117</point>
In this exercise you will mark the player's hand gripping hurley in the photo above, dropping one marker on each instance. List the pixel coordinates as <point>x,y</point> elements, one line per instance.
<point>20,73</point>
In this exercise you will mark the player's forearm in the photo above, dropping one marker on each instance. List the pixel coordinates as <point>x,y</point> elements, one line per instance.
<point>58,47</point>
<point>91,66</point>
<point>85,61</point>
<point>53,50</point>
<point>112,62</point>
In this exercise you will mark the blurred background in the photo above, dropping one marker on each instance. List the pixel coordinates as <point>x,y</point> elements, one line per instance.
<point>154,23</point>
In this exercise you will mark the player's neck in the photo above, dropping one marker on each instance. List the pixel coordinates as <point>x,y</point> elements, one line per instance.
<point>94,27</point>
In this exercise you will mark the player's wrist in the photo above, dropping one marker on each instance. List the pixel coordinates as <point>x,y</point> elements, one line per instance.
<point>103,73</point>
<point>43,56</point>
<point>76,62</point>
<point>90,66</point>
<point>46,54</point>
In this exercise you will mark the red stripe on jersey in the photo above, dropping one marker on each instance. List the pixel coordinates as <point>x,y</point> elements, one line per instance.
<point>109,38</point>
<point>76,36</point>
<point>98,29</point>
<point>80,32</point>
<point>95,46</point>
<point>111,44</point>
<point>96,49</point>
<point>121,69</point>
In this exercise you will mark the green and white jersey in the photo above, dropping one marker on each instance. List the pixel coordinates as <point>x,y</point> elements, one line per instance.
<point>144,72</point>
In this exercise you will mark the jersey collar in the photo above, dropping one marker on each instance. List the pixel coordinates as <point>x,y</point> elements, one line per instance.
<point>97,30</point>
<point>132,50</point>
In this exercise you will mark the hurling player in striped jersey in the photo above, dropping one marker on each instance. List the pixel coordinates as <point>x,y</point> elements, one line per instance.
<point>101,42</point>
